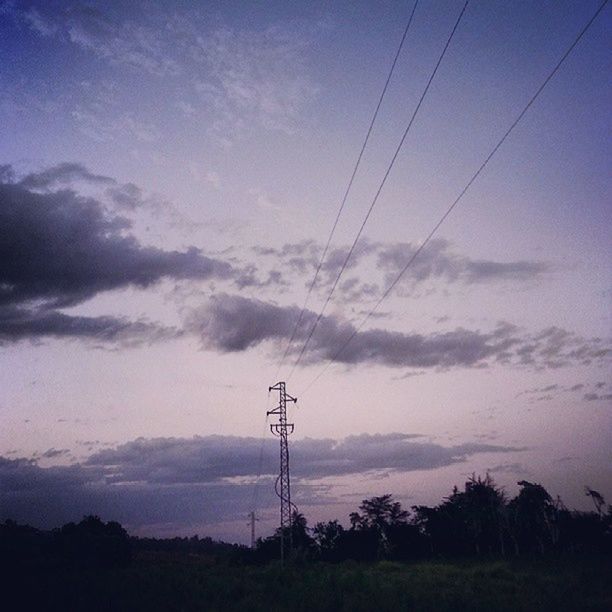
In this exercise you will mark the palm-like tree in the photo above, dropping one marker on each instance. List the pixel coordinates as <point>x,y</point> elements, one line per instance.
<point>533,515</point>
<point>379,515</point>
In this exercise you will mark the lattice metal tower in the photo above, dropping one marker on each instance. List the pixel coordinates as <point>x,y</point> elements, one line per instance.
<point>283,483</point>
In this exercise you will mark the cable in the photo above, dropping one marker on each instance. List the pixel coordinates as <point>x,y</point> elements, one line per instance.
<point>461,194</point>
<point>348,189</point>
<point>254,499</point>
<point>378,192</point>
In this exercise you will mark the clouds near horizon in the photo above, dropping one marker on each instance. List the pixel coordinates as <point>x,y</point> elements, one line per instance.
<point>182,481</point>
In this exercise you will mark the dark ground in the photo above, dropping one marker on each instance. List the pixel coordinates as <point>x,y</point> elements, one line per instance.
<point>158,581</point>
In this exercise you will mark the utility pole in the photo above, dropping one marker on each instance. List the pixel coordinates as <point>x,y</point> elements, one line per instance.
<point>252,519</point>
<point>283,484</point>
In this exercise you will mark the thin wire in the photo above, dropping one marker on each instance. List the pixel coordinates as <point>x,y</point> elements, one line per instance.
<point>260,461</point>
<point>378,192</point>
<point>347,191</point>
<point>461,194</point>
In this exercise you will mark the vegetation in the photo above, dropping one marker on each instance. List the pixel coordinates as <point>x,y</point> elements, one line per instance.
<point>476,550</point>
<point>478,522</point>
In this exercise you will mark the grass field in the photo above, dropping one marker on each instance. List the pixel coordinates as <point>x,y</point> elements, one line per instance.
<point>193,583</point>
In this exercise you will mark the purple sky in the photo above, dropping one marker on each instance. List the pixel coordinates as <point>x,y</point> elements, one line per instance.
<point>169,175</point>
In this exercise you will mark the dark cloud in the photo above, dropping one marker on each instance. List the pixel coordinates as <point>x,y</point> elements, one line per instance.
<point>214,458</point>
<point>594,397</point>
<point>58,249</point>
<point>61,248</point>
<point>233,323</point>
<point>62,174</point>
<point>54,453</point>
<point>7,174</point>
<point>125,196</point>
<point>181,481</point>
<point>22,323</point>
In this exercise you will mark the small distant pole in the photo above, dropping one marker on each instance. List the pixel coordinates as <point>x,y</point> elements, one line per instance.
<point>252,519</point>
<point>283,484</point>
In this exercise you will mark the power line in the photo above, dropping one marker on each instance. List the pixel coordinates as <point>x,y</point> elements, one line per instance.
<point>254,499</point>
<point>461,194</point>
<point>379,190</point>
<point>348,189</point>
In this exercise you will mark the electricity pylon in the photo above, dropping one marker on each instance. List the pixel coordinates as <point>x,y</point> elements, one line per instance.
<point>283,483</point>
<point>251,523</point>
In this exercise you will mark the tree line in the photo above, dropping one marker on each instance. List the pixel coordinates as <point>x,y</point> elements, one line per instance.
<point>477,521</point>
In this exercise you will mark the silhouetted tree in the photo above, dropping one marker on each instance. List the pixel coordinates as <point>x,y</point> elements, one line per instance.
<point>93,543</point>
<point>327,537</point>
<point>303,545</point>
<point>379,515</point>
<point>597,498</point>
<point>485,511</point>
<point>533,518</point>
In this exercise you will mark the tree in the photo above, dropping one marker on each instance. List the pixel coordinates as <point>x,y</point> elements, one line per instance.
<point>302,543</point>
<point>470,521</point>
<point>444,526</point>
<point>533,517</point>
<point>328,537</point>
<point>597,498</point>
<point>93,543</point>
<point>484,505</point>
<point>379,515</point>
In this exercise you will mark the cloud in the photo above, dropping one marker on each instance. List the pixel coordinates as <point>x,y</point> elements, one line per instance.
<point>62,248</point>
<point>437,262</point>
<point>98,122</point>
<point>594,397</point>
<point>245,76</point>
<point>555,391</point>
<point>183,481</point>
<point>557,347</point>
<point>62,174</point>
<point>24,323</point>
<point>233,323</point>
<point>254,76</point>
<point>510,468</point>
<point>54,453</point>
<point>58,249</point>
<point>215,458</point>
<point>136,44</point>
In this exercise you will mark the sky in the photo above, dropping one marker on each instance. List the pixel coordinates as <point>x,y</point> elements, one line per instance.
<point>170,173</point>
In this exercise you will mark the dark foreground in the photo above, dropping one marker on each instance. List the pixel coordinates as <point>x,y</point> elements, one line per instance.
<point>195,583</point>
